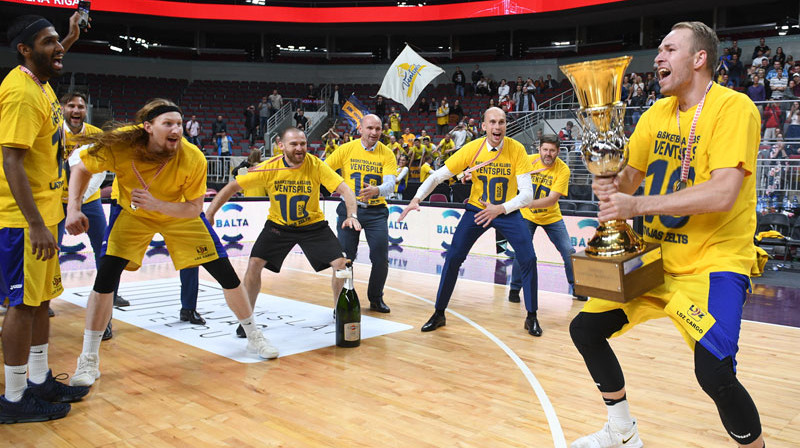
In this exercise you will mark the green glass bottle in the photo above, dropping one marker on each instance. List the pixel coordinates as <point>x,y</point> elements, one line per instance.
<point>348,312</point>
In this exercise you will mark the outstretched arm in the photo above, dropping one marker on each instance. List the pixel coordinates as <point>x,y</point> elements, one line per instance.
<point>221,198</point>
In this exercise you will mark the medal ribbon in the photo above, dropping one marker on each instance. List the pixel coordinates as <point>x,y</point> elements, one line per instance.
<point>481,165</point>
<point>60,152</point>
<point>687,152</point>
<point>254,170</point>
<point>141,181</point>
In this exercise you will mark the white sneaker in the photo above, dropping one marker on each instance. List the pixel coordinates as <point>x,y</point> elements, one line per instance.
<point>609,437</point>
<point>88,370</point>
<point>258,343</point>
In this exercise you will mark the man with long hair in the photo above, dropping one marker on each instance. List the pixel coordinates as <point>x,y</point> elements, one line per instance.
<point>162,182</point>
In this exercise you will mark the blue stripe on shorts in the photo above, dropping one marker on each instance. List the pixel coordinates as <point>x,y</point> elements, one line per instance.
<point>114,212</point>
<point>12,263</point>
<point>727,293</point>
<point>221,252</point>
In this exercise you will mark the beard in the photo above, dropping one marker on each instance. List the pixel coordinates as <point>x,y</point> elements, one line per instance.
<point>44,65</point>
<point>145,155</point>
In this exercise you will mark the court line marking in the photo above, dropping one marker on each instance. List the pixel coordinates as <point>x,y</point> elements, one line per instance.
<point>559,441</point>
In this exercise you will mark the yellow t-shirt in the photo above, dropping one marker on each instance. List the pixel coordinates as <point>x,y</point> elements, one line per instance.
<point>182,179</point>
<point>555,178</point>
<point>31,120</point>
<point>495,183</point>
<point>396,148</point>
<point>360,166</point>
<point>424,171</point>
<point>727,136</point>
<point>416,151</point>
<point>408,139</point>
<point>293,193</point>
<point>330,148</point>
<point>70,143</point>
<point>445,146</point>
<point>394,122</point>
<point>442,116</point>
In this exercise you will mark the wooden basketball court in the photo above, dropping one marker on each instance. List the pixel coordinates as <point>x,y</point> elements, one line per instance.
<point>480,381</point>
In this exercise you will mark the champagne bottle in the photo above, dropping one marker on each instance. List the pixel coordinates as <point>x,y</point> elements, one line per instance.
<point>348,311</point>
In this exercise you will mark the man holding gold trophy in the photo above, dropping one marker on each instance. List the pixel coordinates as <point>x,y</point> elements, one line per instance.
<point>696,151</point>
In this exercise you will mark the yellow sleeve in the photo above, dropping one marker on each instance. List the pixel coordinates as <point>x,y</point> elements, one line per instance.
<point>336,159</point>
<point>195,185</point>
<point>253,179</point>
<point>389,163</point>
<point>522,163</point>
<point>20,120</point>
<point>562,182</point>
<point>737,132</point>
<point>102,160</point>
<point>328,177</point>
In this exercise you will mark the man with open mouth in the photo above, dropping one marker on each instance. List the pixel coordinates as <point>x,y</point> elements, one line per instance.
<point>696,151</point>
<point>30,209</point>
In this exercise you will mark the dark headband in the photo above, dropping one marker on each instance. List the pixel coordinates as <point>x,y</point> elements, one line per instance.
<point>162,109</point>
<point>30,31</point>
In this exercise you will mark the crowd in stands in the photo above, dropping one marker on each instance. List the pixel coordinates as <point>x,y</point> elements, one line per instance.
<point>446,115</point>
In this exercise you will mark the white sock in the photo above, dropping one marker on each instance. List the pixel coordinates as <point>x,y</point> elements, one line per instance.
<point>16,381</point>
<point>249,325</point>
<point>37,364</point>
<point>91,341</point>
<point>619,415</point>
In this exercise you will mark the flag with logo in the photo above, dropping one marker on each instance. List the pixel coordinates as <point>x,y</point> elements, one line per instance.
<point>407,77</point>
<point>352,112</point>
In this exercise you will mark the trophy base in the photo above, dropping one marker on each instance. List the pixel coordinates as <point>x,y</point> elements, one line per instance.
<point>620,278</point>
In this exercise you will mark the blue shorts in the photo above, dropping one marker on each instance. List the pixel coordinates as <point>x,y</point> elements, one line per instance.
<point>706,308</point>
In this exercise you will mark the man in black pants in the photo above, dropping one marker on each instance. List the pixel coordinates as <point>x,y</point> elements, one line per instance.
<point>703,214</point>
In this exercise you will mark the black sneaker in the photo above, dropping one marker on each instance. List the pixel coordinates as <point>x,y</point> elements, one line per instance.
<point>119,301</point>
<point>580,298</point>
<point>513,295</point>
<point>240,332</point>
<point>108,333</point>
<point>56,392</point>
<point>50,312</point>
<point>30,409</point>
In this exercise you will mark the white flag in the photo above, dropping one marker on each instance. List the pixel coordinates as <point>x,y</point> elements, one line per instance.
<point>407,77</point>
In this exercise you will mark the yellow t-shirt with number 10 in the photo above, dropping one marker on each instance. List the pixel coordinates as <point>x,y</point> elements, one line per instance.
<point>31,120</point>
<point>360,166</point>
<point>727,136</point>
<point>495,183</point>
<point>293,192</point>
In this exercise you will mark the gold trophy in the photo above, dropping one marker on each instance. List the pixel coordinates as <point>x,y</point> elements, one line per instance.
<point>616,265</point>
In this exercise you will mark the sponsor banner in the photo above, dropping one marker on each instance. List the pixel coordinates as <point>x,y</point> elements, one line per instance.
<point>238,224</point>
